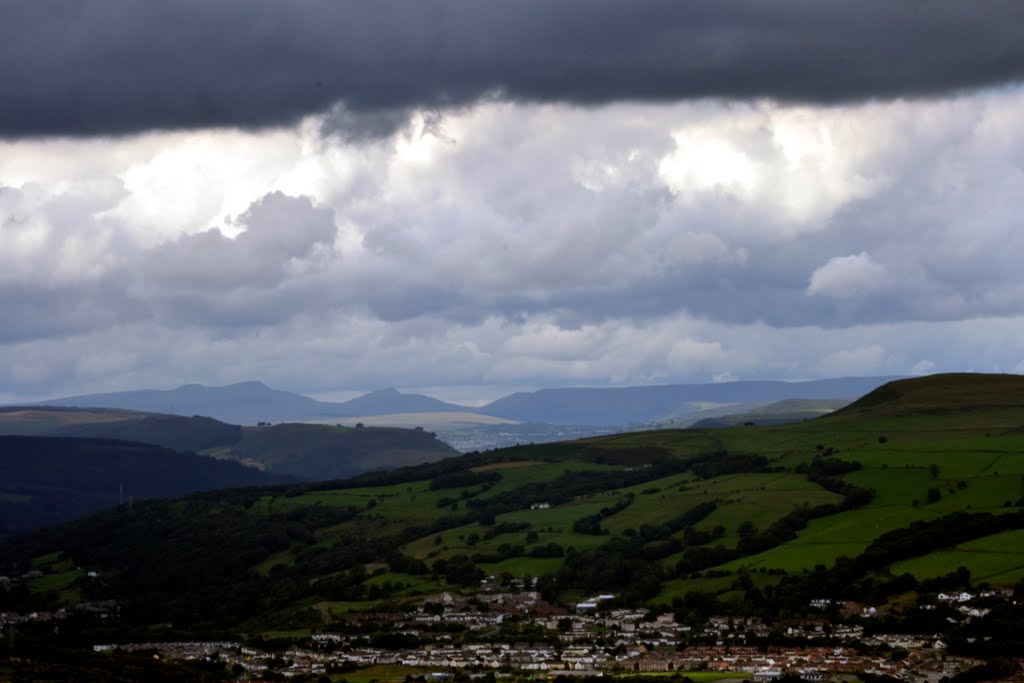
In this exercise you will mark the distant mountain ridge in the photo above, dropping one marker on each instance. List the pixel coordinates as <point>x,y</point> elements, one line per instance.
<point>640,405</point>
<point>252,402</point>
<point>242,403</point>
<point>248,403</point>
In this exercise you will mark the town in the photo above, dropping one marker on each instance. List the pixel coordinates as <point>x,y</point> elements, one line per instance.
<point>516,634</point>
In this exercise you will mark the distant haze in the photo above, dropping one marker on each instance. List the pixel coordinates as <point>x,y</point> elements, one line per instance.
<point>253,402</point>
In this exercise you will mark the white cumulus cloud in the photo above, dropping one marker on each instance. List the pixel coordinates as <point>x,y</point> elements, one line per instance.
<point>846,277</point>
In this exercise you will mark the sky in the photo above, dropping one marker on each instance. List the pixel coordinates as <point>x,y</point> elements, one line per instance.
<point>474,197</point>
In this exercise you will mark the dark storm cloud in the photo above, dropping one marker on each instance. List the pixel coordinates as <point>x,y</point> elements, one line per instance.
<point>115,66</point>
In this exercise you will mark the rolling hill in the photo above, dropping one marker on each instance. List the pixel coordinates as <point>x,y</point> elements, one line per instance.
<point>242,403</point>
<point>888,496</point>
<point>313,451</point>
<point>302,451</point>
<point>959,394</point>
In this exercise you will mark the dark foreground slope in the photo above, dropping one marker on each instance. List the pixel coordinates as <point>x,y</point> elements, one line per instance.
<point>46,481</point>
<point>877,503</point>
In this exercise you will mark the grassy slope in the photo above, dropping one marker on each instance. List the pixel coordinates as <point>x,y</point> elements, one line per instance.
<point>979,446</point>
<point>998,558</point>
<point>961,435</point>
<point>969,426</point>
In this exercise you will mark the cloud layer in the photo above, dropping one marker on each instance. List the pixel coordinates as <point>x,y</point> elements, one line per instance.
<point>340,195</point>
<point>116,67</point>
<point>520,244</point>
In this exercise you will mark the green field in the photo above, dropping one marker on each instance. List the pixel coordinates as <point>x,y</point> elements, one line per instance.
<point>996,559</point>
<point>60,578</point>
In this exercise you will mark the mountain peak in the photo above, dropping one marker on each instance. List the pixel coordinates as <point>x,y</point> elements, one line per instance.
<point>391,400</point>
<point>250,384</point>
<point>382,393</point>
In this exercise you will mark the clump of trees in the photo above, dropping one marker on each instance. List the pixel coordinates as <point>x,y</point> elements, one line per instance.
<point>591,524</point>
<point>463,479</point>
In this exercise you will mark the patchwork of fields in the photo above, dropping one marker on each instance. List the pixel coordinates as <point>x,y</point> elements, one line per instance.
<point>919,467</point>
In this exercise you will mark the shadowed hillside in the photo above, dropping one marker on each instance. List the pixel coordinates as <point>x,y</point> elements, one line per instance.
<point>46,480</point>
<point>313,451</point>
<point>170,431</point>
<point>305,451</point>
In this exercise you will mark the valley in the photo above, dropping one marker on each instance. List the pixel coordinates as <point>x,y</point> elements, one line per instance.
<point>850,530</point>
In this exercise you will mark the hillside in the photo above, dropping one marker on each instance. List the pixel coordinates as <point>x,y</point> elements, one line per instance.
<point>879,501</point>
<point>170,431</point>
<point>304,451</point>
<point>184,434</point>
<point>312,451</point>
<point>46,481</point>
<point>31,420</point>
<point>946,394</point>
